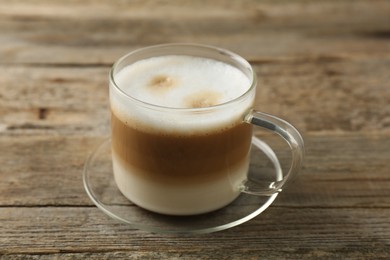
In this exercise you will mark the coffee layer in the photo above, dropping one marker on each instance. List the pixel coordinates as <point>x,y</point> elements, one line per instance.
<point>180,158</point>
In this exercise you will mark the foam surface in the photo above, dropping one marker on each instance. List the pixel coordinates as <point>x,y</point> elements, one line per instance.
<point>182,81</point>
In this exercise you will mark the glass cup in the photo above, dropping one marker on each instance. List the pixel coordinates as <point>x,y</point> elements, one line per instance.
<point>187,161</point>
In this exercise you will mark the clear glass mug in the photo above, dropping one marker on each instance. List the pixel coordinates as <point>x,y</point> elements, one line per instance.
<point>186,161</point>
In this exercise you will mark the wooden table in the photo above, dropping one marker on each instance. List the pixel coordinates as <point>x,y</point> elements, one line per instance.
<point>322,65</point>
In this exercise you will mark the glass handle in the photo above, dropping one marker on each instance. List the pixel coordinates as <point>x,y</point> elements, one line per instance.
<point>294,139</point>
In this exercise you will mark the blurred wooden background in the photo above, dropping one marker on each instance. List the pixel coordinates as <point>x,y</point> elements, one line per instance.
<point>322,65</point>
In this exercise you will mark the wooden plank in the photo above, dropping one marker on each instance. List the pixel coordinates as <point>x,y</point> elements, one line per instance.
<point>335,170</point>
<point>312,232</point>
<point>336,95</point>
<point>82,33</point>
<point>342,95</point>
<point>322,65</point>
<point>54,100</point>
<point>41,170</point>
<point>340,171</point>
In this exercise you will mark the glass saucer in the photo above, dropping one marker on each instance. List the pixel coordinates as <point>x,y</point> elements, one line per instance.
<point>100,186</point>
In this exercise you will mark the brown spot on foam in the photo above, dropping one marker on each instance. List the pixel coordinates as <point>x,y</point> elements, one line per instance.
<point>162,82</point>
<point>204,98</point>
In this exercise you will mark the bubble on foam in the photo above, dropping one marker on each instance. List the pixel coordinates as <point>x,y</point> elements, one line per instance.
<point>203,98</point>
<point>162,83</point>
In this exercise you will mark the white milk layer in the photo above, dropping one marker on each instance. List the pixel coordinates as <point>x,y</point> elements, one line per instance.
<point>176,81</point>
<point>179,200</point>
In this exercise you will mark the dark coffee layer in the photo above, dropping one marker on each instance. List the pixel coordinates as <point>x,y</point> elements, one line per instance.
<point>179,158</point>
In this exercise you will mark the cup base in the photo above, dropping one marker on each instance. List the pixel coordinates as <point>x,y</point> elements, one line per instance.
<point>100,186</point>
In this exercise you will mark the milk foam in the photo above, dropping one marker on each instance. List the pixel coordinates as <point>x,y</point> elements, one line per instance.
<point>180,78</point>
<point>179,81</point>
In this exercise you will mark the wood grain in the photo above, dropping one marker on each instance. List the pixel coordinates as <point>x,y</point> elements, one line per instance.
<point>322,65</point>
<point>83,32</point>
<point>317,95</point>
<point>339,171</point>
<point>315,233</point>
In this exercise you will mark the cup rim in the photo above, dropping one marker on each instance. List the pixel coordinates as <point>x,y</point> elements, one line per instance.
<point>232,55</point>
